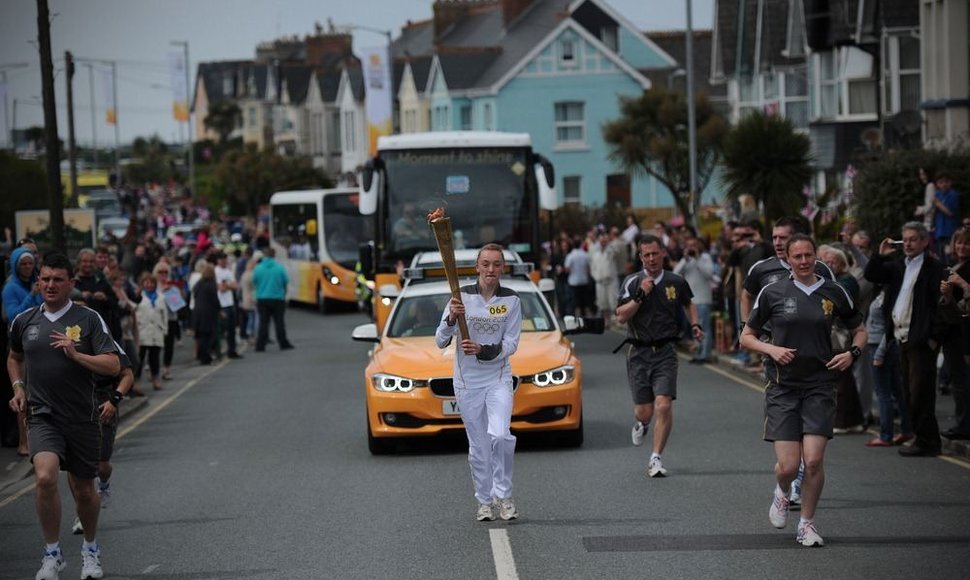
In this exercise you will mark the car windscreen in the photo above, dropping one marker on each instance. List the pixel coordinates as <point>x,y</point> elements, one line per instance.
<point>420,315</point>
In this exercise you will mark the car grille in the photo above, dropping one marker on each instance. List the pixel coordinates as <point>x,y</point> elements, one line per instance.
<point>445,387</point>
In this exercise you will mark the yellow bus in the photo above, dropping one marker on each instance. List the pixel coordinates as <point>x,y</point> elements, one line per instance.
<point>317,235</point>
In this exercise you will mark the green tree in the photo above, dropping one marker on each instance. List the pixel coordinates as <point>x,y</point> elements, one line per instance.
<point>766,157</point>
<point>223,118</point>
<point>23,185</point>
<point>153,163</point>
<point>887,190</point>
<point>245,179</point>
<point>650,138</point>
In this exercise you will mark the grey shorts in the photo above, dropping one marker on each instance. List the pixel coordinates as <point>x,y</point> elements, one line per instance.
<point>791,413</point>
<point>78,445</point>
<point>652,371</point>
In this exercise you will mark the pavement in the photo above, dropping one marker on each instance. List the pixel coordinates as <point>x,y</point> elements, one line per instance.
<point>14,468</point>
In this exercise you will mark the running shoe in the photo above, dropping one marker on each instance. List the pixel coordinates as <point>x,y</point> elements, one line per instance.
<point>655,468</point>
<point>778,512</point>
<point>638,433</point>
<point>76,528</point>
<point>91,564</point>
<point>104,491</point>
<point>795,499</point>
<point>506,509</point>
<point>808,536</point>
<point>485,513</point>
<point>51,566</point>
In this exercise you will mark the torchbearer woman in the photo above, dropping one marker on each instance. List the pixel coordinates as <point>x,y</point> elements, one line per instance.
<point>483,379</point>
<point>802,372</point>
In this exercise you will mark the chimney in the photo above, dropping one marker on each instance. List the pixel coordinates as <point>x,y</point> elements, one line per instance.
<point>322,45</point>
<point>512,8</point>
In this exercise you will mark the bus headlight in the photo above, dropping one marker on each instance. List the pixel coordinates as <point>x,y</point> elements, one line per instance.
<point>555,377</point>
<point>386,383</point>
<point>330,276</point>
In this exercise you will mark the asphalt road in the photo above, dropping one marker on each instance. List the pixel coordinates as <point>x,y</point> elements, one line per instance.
<point>259,468</point>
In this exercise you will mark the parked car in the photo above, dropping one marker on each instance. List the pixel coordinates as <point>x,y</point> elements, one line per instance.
<point>104,202</point>
<point>408,379</point>
<point>116,226</point>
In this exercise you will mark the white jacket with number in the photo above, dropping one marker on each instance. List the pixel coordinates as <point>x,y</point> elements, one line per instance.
<point>495,324</point>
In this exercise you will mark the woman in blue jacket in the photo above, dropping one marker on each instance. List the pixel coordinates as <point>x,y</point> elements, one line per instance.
<point>19,295</point>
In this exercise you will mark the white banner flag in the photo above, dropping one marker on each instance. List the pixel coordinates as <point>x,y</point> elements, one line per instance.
<point>107,87</point>
<point>180,91</point>
<point>378,91</point>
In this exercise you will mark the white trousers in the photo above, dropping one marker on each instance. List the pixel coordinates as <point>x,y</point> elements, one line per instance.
<point>487,414</point>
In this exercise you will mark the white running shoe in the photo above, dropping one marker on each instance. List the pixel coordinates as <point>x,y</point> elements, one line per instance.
<point>639,432</point>
<point>51,566</point>
<point>655,468</point>
<point>778,512</point>
<point>485,513</point>
<point>91,564</point>
<point>795,498</point>
<point>104,491</point>
<point>808,536</point>
<point>76,528</point>
<point>506,509</point>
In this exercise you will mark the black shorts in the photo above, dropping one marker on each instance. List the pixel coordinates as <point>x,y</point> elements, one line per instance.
<point>108,432</point>
<point>652,371</point>
<point>78,445</point>
<point>791,413</point>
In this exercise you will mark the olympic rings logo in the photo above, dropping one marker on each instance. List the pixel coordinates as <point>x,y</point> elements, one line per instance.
<point>486,327</point>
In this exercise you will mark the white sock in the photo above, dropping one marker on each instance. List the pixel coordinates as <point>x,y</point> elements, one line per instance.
<point>55,547</point>
<point>654,456</point>
<point>805,522</point>
<point>92,545</point>
<point>104,485</point>
<point>780,492</point>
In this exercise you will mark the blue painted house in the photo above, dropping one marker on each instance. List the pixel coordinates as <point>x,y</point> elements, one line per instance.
<point>552,68</point>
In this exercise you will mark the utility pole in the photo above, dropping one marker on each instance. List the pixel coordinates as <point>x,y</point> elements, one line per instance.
<point>94,121</point>
<point>71,145</point>
<point>691,121</point>
<point>54,195</point>
<point>114,92</point>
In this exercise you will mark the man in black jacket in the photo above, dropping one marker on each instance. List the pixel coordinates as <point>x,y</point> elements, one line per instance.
<point>911,304</point>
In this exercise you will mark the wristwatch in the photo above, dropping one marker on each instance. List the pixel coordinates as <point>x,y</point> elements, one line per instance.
<point>115,398</point>
<point>856,352</point>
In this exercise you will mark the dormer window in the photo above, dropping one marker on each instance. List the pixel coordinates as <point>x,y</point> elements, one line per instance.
<point>609,38</point>
<point>567,52</point>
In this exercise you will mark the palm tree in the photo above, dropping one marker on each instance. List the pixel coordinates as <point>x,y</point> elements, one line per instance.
<point>223,118</point>
<point>650,138</point>
<point>766,157</point>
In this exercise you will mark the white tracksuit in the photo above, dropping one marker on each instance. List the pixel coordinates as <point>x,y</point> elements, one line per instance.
<point>483,385</point>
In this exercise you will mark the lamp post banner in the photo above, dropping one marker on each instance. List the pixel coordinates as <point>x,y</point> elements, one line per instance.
<point>107,87</point>
<point>378,95</point>
<point>180,91</point>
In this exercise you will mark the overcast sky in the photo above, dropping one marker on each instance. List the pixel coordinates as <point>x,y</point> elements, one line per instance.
<point>137,34</point>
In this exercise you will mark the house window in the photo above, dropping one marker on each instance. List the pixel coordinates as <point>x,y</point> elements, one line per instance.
<point>901,55</point>
<point>489,121</point>
<point>567,52</point>
<point>794,101</point>
<point>251,117</point>
<point>410,121</point>
<point>828,94</point>
<point>570,123</point>
<point>350,132</point>
<point>333,136</point>
<point>609,38</point>
<point>466,117</point>
<point>571,187</point>
<point>227,86</point>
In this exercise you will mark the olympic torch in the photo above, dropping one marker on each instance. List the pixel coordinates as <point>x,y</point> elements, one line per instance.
<point>441,226</point>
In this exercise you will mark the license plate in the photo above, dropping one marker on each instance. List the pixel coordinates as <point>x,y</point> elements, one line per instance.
<point>450,407</point>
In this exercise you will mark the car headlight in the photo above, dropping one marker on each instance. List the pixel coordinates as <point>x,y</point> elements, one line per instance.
<point>386,383</point>
<point>557,376</point>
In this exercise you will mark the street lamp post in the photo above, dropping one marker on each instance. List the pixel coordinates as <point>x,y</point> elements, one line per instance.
<point>191,152</point>
<point>691,121</point>
<point>3,82</point>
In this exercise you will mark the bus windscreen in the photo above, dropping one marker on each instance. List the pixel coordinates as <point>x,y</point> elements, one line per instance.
<point>345,228</point>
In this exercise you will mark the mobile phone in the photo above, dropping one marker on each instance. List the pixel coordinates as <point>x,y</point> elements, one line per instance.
<point>897,243</point>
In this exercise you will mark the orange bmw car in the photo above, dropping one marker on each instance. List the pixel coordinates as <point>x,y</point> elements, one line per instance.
<point>408,380</point>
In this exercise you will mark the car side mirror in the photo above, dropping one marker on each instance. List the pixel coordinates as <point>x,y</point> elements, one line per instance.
<point>366,333</point>
<point>577,325</point>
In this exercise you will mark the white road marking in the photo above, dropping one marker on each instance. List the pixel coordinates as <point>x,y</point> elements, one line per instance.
<point>150,569</point>
<point>502,555</point>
